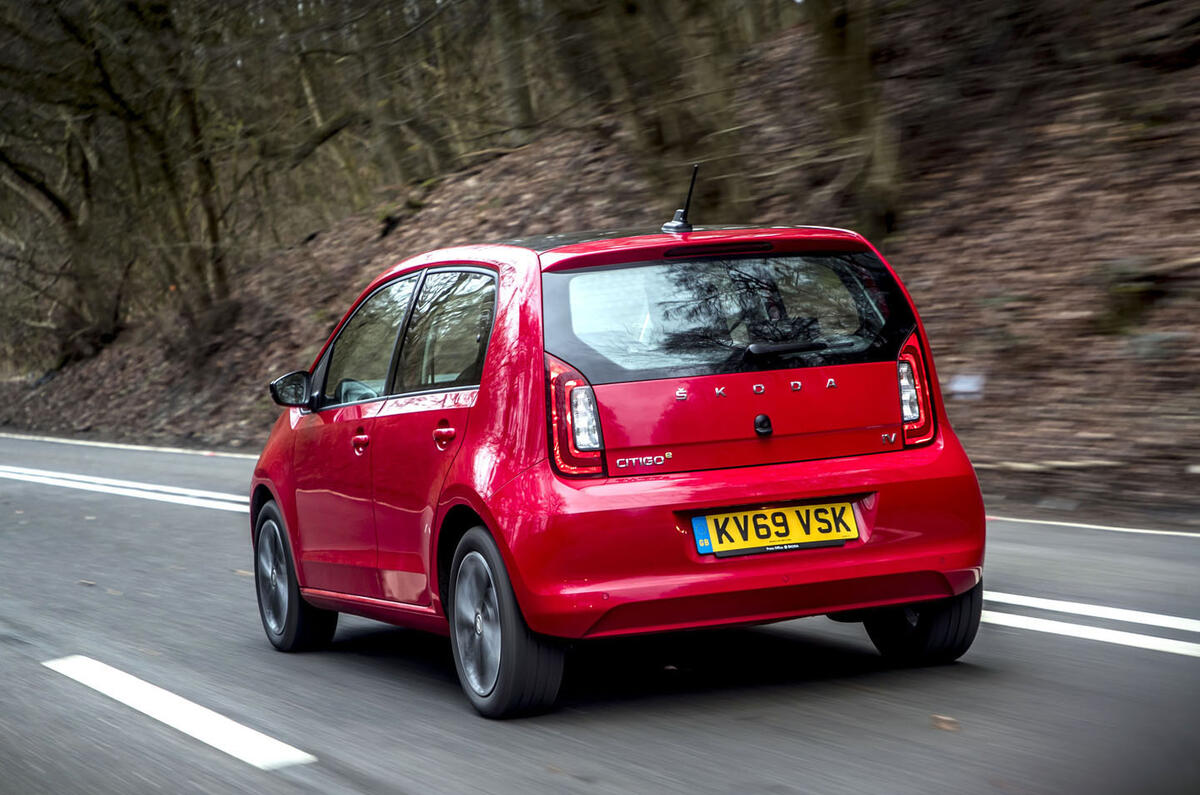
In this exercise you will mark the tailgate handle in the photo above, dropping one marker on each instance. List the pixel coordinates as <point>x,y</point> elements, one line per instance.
<point>762,425</point>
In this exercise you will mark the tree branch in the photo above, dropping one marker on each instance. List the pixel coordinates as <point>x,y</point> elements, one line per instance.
<point>33,189</point>
<point>323,134</point>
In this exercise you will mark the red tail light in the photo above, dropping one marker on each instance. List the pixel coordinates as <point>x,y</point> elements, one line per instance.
<point>914,393</point>
<point>576,447</point>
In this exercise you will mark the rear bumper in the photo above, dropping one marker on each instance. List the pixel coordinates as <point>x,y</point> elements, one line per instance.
<point>616,556</point>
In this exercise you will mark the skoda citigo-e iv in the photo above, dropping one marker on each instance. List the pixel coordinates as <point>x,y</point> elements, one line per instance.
<point>560,438</point>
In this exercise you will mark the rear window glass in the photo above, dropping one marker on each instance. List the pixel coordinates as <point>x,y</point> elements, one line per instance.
<point>700,317</point>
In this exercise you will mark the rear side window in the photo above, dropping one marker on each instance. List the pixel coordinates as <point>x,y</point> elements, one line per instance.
<point>448,334</point>
<point>700,317</point>
<point>362,352</point>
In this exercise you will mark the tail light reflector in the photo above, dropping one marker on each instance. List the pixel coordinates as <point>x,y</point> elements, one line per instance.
<point>576,446</point>
<point>914,393</point>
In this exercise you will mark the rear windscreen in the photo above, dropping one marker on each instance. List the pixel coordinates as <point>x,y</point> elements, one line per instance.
<point>677,318</point>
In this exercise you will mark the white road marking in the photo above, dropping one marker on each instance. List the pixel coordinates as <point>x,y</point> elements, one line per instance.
<point>141,491</point>
<point>119,446</point>
<point>1095,611</point>
<point>131,484</point>
<point>1139,530</point>
<point>240,742</point>
<point>1092,633</point>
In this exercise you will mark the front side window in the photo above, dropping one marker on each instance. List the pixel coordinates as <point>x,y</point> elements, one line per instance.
<point>362,352</point>
<point>448,334</point>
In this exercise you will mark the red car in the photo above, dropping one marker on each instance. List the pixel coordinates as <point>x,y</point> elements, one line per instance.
<point>566,437</point>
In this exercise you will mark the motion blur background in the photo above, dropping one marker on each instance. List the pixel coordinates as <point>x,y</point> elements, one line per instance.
<point>192,192</point>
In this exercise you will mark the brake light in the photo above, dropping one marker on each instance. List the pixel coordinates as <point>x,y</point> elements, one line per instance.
<point>576,446</point>
<point>914,393</point>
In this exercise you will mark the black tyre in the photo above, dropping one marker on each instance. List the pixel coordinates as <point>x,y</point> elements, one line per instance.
<point>504,667</point>
<point>927,633</point>
<point>291,623</point>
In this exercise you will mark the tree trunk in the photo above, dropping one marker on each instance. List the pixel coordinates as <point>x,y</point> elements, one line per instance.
<point>861,121</point>
<point>510,46</point>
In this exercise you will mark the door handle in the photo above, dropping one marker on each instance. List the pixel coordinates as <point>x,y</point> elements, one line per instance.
<point>443,436</point>
<point>360,443</point>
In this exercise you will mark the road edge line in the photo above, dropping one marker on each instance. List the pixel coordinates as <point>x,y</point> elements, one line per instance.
<point>157,496</point>
<point>124,446</point>
<point>1144,531</point>
<point>223,496</point>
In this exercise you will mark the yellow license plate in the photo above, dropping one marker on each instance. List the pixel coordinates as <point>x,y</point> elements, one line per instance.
<point>774,529</point>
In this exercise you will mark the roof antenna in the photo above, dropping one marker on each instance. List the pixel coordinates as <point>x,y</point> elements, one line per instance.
<point>679,224</point>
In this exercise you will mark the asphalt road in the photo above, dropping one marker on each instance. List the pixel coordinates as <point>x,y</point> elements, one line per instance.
<point>160,590</point>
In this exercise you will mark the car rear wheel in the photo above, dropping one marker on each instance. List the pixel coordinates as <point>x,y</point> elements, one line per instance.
<point>927,633</point>
<point>504,667</point>
<point>291,623</point>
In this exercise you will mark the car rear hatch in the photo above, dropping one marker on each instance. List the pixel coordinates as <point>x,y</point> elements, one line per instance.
<point>721,361</point>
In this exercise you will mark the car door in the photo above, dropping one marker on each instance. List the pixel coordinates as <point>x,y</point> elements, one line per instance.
<point>420,429</point>
<point>333,450</point>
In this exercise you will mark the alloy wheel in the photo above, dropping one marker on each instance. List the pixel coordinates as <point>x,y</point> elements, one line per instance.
<point>272,577</point>
<point>477,623</point>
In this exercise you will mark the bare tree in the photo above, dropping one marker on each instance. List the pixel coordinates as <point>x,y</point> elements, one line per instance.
<point>149,150</point>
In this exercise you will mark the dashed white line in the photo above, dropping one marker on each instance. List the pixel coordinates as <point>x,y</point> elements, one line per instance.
<point>1093,633</point>
<point>126,488</point>
<point>1095,611</point>
<point>211,728</point>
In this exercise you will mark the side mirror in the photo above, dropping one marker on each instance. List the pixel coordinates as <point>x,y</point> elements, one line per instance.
<point>293,389</point>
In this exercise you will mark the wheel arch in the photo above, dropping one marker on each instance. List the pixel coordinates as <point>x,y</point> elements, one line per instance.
<point>261,495</point>
<point>458,520</point>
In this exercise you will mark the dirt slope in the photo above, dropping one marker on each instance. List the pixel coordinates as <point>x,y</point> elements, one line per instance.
<point>1054,253</point>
